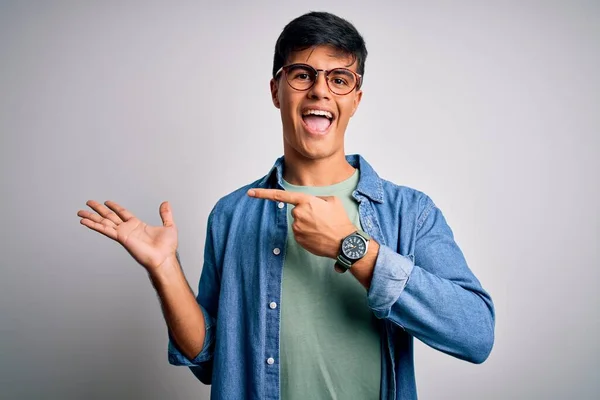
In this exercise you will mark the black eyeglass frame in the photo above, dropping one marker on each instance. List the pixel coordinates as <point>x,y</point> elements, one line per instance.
<point>285,69</point>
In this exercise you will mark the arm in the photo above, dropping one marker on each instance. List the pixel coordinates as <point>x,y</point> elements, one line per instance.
<point>432,294</point>
<point>184,318</point>
<point>185,347</point>
<point>155,248</point>
<point>435,297</point>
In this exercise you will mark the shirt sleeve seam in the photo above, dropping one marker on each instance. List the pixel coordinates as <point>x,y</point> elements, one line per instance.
<point>428,208</point>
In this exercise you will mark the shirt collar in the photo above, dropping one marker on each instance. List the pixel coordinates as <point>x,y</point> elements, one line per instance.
<point>369,183</point>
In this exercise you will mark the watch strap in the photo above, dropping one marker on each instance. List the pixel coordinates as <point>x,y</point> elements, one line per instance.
<point>343,263</point>
<point>363,234</point>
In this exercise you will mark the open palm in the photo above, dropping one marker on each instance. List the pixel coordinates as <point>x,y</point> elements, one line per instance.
<point>149,245</point>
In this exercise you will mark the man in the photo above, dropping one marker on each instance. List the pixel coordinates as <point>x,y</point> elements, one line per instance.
<point>317,276</point>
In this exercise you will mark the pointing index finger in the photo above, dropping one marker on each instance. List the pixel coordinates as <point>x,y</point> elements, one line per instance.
<point>294,198</point>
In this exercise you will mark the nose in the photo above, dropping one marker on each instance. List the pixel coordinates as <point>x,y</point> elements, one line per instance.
<point>320,90</point>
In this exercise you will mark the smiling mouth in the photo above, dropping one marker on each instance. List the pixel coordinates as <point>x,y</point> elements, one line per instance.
<point>317,121</point>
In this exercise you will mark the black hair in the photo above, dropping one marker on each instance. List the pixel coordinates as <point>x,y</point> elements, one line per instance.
<point>320,28</point>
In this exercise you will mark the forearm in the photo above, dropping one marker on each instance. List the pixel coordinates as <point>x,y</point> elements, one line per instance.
<point>363,269</point>
<point>181,311</point>
<point>458,320</point>
<point>454,315</point>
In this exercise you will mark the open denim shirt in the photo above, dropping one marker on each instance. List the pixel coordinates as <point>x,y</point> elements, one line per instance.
<point>421,287</point>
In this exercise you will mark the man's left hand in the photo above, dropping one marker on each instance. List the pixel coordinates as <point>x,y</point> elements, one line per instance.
<point>320,222</point>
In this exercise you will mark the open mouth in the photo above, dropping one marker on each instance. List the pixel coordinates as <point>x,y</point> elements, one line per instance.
<point>317,121</point>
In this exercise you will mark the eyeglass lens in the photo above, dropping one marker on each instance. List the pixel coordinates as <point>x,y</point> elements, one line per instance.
<point>303,77</point>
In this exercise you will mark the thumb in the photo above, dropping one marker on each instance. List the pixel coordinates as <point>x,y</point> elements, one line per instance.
<point>166,214</point>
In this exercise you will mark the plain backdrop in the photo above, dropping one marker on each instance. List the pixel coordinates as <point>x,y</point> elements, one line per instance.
<point>491,108</point>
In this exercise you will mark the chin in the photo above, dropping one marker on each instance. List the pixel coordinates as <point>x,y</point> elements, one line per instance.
<point>311,145</point>
<point>315,151</point>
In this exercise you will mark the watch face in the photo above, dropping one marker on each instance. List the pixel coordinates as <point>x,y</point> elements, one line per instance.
<point>354,247</point>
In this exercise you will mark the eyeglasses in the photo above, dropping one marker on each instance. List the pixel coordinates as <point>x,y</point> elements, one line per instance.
<point>302,77</point>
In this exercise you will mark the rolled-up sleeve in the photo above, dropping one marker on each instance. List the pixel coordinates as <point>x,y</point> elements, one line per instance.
<point>390,276</point>
<point>178,358</point>
<point>432,294</point>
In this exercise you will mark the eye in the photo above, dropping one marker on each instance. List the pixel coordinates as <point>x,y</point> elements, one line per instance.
<point>341,78</point>
<point>300,73</point>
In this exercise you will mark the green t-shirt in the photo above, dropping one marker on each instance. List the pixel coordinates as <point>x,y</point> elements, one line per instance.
<point>330,345</point>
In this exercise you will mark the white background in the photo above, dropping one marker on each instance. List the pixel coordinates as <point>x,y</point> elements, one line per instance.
<point>491,108</point>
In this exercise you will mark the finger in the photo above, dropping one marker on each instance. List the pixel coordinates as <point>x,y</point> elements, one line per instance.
<point>297,213</point>
<point>96,218</point>
<point>119,210</point>
<point>327,198</point>
<point>296,229</point>
<point>338,269</point>
<point>107,231</point>
<point>294,198</point>
<point>166,214</point>
<point>104,211</point>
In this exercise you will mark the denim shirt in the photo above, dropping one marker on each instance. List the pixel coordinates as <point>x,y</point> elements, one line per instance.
<point>422,287</point>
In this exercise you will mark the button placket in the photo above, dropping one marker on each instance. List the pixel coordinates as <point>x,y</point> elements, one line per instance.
<point>273,296</point>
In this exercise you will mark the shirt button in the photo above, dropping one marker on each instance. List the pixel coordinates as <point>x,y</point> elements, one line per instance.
<point>270,361</point>
<point>272,305</point>
<point>280,204</point>
<point>276,251</point>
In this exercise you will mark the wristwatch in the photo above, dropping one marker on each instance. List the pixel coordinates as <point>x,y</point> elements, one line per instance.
<point>354,247</point>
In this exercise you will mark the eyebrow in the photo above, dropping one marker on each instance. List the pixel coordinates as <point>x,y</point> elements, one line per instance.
<point>343,71</point>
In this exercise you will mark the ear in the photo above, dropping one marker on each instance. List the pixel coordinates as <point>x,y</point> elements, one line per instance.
<point>274,92</point>
<point>356,101</point>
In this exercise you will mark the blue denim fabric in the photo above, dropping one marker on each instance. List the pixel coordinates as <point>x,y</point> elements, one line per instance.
<point>421,287</point>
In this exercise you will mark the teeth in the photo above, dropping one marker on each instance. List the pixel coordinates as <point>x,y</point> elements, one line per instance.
<point>318,112</point>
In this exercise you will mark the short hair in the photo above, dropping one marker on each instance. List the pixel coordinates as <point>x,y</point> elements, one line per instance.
<point>320,28</point>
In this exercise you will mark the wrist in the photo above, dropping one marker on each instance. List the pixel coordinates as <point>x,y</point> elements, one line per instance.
<point>363,269</point>
<point>168,271</point>
<point>342,234</point>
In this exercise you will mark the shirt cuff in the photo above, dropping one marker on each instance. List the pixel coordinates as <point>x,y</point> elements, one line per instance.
<point>390,276</point>
<point>178,358</point>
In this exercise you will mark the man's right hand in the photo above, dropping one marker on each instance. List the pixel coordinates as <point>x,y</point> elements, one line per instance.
<point>151,246</point>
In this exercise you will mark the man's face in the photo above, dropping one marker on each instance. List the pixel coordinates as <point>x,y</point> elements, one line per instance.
<point>311,136</point>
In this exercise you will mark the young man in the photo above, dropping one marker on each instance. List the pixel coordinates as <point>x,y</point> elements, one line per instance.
<point>317,276</point>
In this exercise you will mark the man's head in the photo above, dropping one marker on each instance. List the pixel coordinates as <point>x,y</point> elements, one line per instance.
<point>321,42</point>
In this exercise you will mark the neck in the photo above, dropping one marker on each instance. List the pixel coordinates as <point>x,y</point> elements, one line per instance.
<point>301,171</point>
